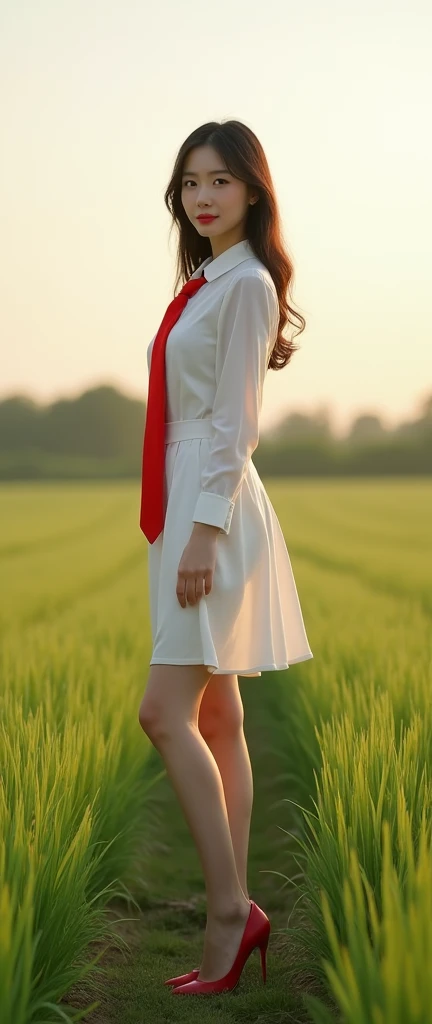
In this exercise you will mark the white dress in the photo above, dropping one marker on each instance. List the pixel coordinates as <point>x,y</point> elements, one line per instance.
<point>216,360</point>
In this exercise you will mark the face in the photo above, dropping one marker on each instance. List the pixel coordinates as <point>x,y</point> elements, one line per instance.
<point>209,188</point>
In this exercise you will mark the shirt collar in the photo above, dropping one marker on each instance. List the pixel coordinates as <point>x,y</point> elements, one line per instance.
<point>226,261</point>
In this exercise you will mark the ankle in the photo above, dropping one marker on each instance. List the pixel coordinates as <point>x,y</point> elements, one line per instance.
<point>230,913</point>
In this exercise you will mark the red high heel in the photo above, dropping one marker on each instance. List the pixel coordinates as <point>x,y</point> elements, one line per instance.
<point>184,978</point>
<point>256,933</point>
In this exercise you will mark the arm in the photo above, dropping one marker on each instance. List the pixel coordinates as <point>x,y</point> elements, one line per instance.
<point>247,330</point>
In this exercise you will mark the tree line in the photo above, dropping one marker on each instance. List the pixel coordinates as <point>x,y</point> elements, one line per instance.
<point>99,434</point>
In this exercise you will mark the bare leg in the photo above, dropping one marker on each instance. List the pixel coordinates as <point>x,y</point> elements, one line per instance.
<point>220,722</point>
<point>169,716</point>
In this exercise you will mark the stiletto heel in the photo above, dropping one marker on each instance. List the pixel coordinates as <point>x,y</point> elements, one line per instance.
<point>256,933</point>
<point>263,951</point>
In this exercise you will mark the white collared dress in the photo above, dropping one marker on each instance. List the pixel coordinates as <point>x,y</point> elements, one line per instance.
<point>216,361</point>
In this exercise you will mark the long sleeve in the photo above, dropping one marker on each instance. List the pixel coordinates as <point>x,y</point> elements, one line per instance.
<point>247,330</point>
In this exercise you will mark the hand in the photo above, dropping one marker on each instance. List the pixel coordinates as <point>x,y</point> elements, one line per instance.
<point>197,564</point>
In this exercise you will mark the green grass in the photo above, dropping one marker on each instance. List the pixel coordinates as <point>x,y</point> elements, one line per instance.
<point>96,860</point>
<point>169,933</point>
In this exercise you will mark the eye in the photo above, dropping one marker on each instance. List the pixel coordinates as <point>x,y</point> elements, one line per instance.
<point>216,179</point>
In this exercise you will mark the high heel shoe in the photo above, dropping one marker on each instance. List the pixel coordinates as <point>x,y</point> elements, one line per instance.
<point>183,978</point>
<point>256,933</point>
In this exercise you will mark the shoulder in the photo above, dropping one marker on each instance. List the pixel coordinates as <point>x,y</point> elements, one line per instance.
<point>252,277</point>
<point>251,286</point>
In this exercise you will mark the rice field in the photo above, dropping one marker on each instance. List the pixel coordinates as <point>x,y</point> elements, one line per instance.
<point>350,734</point>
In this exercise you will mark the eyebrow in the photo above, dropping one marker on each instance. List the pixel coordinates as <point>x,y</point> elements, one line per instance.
<point>219,170</point>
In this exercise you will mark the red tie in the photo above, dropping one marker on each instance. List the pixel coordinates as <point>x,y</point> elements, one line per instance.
<point>152,514</point>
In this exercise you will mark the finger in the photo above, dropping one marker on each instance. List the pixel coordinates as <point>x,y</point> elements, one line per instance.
<point>190,591</point>
<point>208,582</point>
<point>181,591</point>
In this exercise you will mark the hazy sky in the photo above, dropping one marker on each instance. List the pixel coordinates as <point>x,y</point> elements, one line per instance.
<point>96,97</point>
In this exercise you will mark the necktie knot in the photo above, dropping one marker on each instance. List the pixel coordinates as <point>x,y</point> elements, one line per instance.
<point>192,286</point>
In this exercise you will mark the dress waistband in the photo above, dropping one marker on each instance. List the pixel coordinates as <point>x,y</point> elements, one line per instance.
<point>182,430</point>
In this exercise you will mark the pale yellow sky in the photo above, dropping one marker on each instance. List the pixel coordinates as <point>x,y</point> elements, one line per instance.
<point>96,98</point>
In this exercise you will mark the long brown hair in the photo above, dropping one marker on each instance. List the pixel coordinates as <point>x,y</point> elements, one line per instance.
<point>245,159</point>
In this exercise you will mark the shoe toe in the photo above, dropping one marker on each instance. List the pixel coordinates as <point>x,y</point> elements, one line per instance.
<point>182,979</point>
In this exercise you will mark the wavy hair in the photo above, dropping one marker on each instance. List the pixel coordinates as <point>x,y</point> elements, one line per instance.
<point>245,159</point>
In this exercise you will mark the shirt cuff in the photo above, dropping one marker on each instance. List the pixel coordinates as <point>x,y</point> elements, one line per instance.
<point>214,510</point>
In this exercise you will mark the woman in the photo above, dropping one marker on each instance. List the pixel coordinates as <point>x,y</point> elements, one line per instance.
<point>223,598</point>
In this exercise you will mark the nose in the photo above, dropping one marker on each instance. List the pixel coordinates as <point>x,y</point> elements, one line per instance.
<point>201,194</point>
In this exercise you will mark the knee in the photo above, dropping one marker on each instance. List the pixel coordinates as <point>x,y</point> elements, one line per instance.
<point>221,722</point>
<point>151,719</point>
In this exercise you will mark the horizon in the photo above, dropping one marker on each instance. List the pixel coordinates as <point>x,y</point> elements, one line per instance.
<point>335,428</point>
